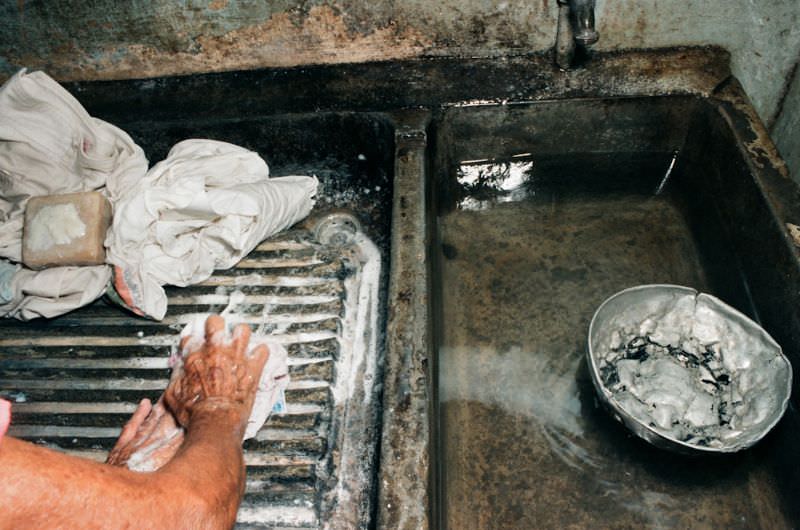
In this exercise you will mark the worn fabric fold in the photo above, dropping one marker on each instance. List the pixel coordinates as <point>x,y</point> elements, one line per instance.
<point>50,145</point>
<point>204,207</point>
<point>26,294</point>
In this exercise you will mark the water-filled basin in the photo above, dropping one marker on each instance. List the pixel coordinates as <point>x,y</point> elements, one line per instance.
<point>542,211</point>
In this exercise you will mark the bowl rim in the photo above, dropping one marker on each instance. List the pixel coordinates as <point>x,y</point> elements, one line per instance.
<point>625,417</point>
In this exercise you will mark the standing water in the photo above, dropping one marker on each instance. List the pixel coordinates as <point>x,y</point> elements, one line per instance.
<point>528,248</point>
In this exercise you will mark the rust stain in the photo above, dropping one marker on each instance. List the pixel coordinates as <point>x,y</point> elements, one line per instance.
<point>321,38</point>
<point>217,5</point>
<point>641,24</point>
<point>761,147</point>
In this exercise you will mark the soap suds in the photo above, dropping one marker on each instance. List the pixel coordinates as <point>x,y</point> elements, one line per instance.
<point>58,224</point>
<point>142,460</point>
<point>690,367</point>
<point>684,391</point>
<point>275,375</point>
<point>360,326</point>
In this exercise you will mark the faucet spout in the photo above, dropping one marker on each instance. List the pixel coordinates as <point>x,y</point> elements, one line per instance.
<point>575,28</point>
<point>583,14</point>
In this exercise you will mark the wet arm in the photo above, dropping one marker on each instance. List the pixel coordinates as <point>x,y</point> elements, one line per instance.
<point>200,488</point>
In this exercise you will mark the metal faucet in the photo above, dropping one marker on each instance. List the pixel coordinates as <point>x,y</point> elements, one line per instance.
<point>575,28</point>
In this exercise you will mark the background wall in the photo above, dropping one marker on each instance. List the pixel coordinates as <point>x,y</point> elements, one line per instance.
<point>110,39</point>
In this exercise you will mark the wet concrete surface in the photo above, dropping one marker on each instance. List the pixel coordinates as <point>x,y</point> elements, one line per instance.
<point>414,83</point>
<point>523,442</point>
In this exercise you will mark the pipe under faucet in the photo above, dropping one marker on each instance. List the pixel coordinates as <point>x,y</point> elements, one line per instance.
<point>575,27</point>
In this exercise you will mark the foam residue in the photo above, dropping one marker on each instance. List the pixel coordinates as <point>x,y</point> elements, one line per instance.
<point>535,386</point>
<point>142,460</point>
<point>359,336</point>
<point>17,397</point>
<point>684,392</point>
<point>690,367</point>
<point>275,375</point>
<point>358,360</point>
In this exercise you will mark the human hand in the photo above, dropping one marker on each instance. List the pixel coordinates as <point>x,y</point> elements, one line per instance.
<point>217,373</point>
<point>5,416</point>
<point>149,440</point>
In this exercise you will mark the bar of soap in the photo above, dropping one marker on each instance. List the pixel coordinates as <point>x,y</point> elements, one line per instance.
<point>63,230</point>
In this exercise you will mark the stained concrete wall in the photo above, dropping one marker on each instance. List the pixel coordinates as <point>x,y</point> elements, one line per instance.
<point>111,39</point>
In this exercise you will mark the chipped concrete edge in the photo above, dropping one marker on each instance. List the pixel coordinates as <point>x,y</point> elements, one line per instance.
<point>645,72</point>
<point>771,174</point>
<point>761,148</point>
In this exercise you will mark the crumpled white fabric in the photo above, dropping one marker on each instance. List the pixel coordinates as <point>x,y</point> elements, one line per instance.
<point>204,207</point>
<point>49,144</point>
<point>26,294</point>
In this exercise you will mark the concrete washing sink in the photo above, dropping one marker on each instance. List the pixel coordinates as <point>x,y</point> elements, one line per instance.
<point>542,211</point>
<point>506,199</point>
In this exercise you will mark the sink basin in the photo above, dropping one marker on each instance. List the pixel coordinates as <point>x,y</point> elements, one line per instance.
<point>540,212</point>
<point>437,355</point>
<point>76,379</point>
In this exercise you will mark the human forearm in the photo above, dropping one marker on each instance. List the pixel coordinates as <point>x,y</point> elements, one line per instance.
<point>42,488</point>
<point>210,462</point>
<point>200,488</point>
<point>212,396</point>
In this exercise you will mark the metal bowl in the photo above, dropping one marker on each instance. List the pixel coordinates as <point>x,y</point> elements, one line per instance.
<point>685,371</point>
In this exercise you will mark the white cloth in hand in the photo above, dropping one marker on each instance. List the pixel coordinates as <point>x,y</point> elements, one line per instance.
<point>274,377</point>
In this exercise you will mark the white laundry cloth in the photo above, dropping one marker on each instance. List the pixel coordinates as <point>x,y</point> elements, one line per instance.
<point>274,377</point>
<point>27,294</point>
<point>204,207</point>
<point>50,145</point>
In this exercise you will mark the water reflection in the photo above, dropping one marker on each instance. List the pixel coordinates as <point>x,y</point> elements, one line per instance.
<point>486,182</point>
<point>482,183</point>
